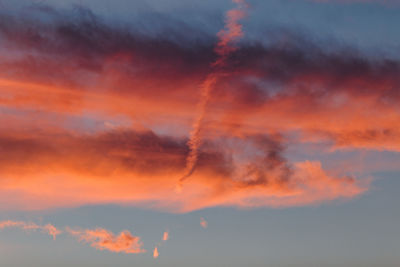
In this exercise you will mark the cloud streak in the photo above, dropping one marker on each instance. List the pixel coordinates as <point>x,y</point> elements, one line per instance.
<point>98,238</point>
<point>226,37</point>
<point>30,226</point>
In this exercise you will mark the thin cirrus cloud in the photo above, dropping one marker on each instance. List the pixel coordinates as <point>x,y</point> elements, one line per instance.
<point>70,64</point>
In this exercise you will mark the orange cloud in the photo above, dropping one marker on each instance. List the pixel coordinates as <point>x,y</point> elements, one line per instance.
<point>165,236</point>
<point>103,239</point>
<point>231,33</point>
<point>48,228</point>
<point>224,47</point>
<point>203,222</point>
<point>275,96</point>
<point>140,168</point>
<point>99,238</point>
<point>155,253</point>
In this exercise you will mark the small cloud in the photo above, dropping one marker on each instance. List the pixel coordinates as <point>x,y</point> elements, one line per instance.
<point>203,222</point>
<point>103,239</point>
<point>51,230</point>
<point>155,253</point>
<point>165,236</point>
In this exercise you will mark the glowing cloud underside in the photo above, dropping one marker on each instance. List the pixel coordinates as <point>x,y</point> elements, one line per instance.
<point>94,114</point>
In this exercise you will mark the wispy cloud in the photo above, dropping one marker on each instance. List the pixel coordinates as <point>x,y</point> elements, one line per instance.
<point>226,37</point>
<point>103,239</point>
<point>30,226</point>
<point>98,238</point>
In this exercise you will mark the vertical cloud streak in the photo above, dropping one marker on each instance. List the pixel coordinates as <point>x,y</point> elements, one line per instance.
<point>227,36</point>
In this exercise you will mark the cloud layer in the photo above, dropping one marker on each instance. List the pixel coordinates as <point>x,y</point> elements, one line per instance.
<point>92,113</point>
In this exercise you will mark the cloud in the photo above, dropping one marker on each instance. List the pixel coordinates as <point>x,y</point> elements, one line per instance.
<point>224,47</point>
<point>290,84</point>
<point>65,66</point>
<point>30,226</point>
<point>165,236</point>
<point>98,238</point>
<point>103,239</point>
<point>155,253</point>
<point>142,168</point>
<point>203,222</point>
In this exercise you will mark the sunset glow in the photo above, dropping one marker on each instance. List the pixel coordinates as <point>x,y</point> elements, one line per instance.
<point>197,112</point>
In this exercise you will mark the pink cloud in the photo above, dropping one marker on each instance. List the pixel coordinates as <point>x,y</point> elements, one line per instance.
<point>103,239</point>
<point>48,228</point>
<point>203,222</point>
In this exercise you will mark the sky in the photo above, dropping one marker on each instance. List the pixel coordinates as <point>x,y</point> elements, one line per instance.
<point>200,133</point>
